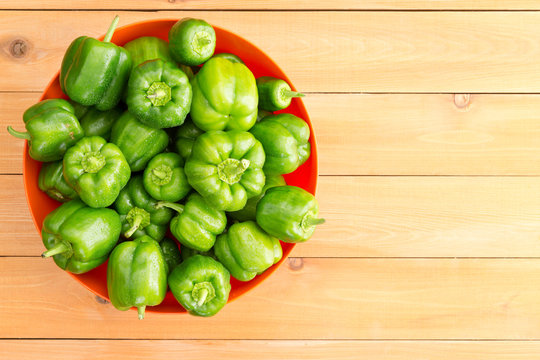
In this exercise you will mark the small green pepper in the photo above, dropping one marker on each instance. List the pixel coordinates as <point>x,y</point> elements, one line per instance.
<point>246,250</point>
<point>139,143</point>
<point>159,94</point>
<point>95,72</point>
<point>51,181</point>
<point>51,129</point>
<point>171,253</point>
<point>164,177</point>
<point>97,170</point>
<point>285,139</point>
<point>146,48</point>
<point>79,237</point>
<point>95,122</point>
<point>274,94</point>
<point>192,41</point>
<point>188,252</point>
<point>185,137</point>
<point>288,213</point>
<point>138,213</point>
<point>197,224</point>
<point>137,275</point>
<point>226,168</point>
<point>201,285</point>
<point>230,57</point>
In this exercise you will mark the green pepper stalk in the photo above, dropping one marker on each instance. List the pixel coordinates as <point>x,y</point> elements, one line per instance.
<point>192,41</point>
<point>164,177</point>
<point>274,94</point>
<point>288,213</point>
<point>51,181</point>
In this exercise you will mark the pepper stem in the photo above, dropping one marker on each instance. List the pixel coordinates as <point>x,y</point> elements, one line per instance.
<point>202,297</point>
<point>137,219</point>
<point>292,94</point>
<point>176,207</point>
<point>203,41</point>
<point>19,134</point>
<point>59,248</point>
<point>110,32</point>
<point>314,221</point>
<point>231,170</point>
<point>159,174</point>
<point>140,311</point>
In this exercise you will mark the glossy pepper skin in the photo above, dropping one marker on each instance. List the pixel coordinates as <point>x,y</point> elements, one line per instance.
<point>171,253</point>
<point>285,139</point>
<point>137,275</point>
<point>192,41</point>
<point>164,177</point>
<point>288,213</point>
<point>230,57</point>
<point>274,94</point>
<point>224,96</point>
<point>159,94</point>
<point>246,250</point>
<point>97,170</point>
<point>139,143</point>
<point>138,213</point>
<point>201,285</point>
<point>51,129</point>
<point>95,122</point>
<point>226,168</point>
<point>79,237</point>
<point>249,211</point>
<point>51,181</point>
<point>147,48</point>
<point>187,253</point>
<point>95,72</point>
<point>197,223</point>
<point>185,137</point>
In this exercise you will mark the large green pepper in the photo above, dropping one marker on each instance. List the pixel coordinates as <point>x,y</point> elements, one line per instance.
<point>79,237</point>
<point>95,72</point>
<point>226,168</point>
<point>285,139</point>
<point>97,170</point>
<point>164,177</point>
<point>185,137</point>
<point>246,250</point>
<point>51,129</point>
<point>288,213</point>
<point>171,253</point>
<point>249,211</point>
<point>192,41</point>
<point>137,275</point>
<point>224,96</point>
<point>51,181</point>
<point>138,142</point>
<point>201,285</point>
<point>159,94</point>
<point>96,122</point>
<point>274,94</point>
<point>138,212</point>
<point>197,224</point>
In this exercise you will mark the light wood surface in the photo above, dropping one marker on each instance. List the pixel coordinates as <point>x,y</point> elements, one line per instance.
<point>428,130</point>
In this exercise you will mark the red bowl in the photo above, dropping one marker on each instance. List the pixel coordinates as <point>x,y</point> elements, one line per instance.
<point>261,65</point>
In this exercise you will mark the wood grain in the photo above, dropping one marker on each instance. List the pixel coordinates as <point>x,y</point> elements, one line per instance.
<point>352,51</point>
<point>384,134</point>
<point>267,350</point>
<point>353,298</point>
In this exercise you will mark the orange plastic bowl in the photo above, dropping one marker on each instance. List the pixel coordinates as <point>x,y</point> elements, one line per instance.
<point>261,65</point>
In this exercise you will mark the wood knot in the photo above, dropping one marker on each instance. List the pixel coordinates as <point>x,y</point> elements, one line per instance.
<point>101,300</point>
<point>295,264</point>
<point>462,101</point>
<point>18,48</point>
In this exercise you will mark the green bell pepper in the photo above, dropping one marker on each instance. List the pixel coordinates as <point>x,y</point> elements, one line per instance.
<point>164,177</point>
<point>285,139</point>
<point>147,48</point>
<point>97,170</point>
<point>224,96</point>
<point>78,237</point>
<point>226,168</point>
<point>274,94</point>
<point>138,213</point>
<point>197,223</point>
<point>139,143</point>
<point>51,129</point>
<point>188,252</point>
<point>261,114</point>
<point>249,211</point>
<point>185,137</point>
<point>159,94</point>
<point>201,285</point>
<point>246,250</point>
<point>171,253</point>
<point>230,57</point>
<point>288,213</point>
<point>95,122</point>
<point>192,41</point>
<point>137,275</point>
<point>51,181</point>
<point>95,72</point>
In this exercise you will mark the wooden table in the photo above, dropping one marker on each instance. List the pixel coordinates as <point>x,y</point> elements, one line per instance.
<point>427,117</point>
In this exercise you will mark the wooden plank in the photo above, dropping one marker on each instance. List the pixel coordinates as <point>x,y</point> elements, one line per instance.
<point>377,217</point>
<point>279,4</point>
<point>267,350</point>
<point>389,134</point>
<point>321,51</point>
<point>353,298</point>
